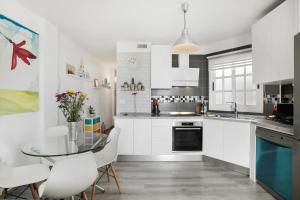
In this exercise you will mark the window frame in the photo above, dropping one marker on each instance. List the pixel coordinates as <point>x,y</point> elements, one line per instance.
<point>233,64</point>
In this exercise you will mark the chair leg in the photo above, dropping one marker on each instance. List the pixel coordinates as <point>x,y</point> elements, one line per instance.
<point>4,193</point>
<point>93,187</point>
<point>83,196</point>
<point>115,177</point>
<point>107,172</point>
<point>33,192</point>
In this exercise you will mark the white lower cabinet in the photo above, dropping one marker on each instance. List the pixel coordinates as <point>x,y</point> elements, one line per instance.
<point>236,143</point>
<point>213,138</point>
<point>135,136</point>
<point>142,136</point>
<point>227,141</point>
<point>126,136</point>
<point>161,137</point>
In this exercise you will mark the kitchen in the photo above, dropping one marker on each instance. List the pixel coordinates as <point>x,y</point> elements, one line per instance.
<point>150,99</point>
<point>231,107</point>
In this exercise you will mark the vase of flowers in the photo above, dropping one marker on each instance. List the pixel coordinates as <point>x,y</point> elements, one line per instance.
<point>70,103</point>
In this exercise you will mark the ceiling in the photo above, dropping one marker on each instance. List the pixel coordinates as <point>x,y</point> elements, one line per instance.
<point>97,25</point>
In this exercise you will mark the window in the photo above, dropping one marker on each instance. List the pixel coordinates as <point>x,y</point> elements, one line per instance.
<point>230,80</point>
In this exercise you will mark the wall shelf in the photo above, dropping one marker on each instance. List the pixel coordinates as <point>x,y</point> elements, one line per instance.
<point>78,77</point>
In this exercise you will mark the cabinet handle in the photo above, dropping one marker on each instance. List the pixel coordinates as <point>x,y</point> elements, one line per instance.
<point>213,86</point>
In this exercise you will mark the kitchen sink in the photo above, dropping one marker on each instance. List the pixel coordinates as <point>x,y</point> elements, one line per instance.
<point>231,116</point>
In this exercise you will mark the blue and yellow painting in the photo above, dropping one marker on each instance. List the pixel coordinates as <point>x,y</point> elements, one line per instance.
<point>19,68</point>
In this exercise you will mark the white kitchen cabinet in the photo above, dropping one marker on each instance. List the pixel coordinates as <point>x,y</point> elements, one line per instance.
<point>282,41</point>
<point>161,65</point>
<point>142,136</point>
<point>273,46</point>
<point>161,137</point>
<point>227,141</point>
<point>236,143</point>
<point>261,50</point>
<point>126,136</point>
<point>213,138</point>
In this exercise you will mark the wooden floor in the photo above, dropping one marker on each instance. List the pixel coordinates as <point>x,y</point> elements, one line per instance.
<point>179,181</point>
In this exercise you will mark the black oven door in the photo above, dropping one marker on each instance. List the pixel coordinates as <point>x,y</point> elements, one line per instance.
<point>187,138</point>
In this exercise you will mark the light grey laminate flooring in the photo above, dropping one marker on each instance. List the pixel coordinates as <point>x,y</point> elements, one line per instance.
<point>179,181</point>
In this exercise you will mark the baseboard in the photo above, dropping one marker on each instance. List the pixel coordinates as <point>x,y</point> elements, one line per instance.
<point>227,165</point>
<point>164,158</point>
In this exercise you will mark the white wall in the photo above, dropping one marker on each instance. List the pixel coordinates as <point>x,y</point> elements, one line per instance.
<point>229,43</point>
<point>55,49</point>
<point>100,99</point>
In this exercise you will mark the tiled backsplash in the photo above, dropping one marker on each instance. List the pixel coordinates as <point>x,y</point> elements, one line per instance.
<point>177,99</point>
<point>141,73</point>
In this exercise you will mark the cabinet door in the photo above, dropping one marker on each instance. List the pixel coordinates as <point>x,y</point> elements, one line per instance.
<point>261,50</point>
<point>282,41</point>
<point>142,136</point>
<point>213,138</point>
<point>161,65</point>
<point>126,136</point>
<point>237,143</point>
<point>161,137</point>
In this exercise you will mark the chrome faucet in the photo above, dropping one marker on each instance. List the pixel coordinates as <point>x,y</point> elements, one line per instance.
<point>235,109</point>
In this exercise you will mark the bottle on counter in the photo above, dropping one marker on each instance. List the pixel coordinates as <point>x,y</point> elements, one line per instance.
<point>155,107</point>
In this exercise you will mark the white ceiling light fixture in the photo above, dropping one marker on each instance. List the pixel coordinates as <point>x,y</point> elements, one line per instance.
<point>184,44</point>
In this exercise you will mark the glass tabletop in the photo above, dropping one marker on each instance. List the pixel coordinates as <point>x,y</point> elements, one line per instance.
<point>62,146</point>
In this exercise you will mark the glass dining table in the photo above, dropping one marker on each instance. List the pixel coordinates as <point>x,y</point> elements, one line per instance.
<point>56,148</point>
<point>51,148</point>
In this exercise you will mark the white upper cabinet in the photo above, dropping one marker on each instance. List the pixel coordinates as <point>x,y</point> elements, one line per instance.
<point>273,45</point>
<point>161,65</point>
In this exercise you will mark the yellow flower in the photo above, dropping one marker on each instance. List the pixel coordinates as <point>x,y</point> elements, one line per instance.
<point>82,94</point>
<point>70,91</point>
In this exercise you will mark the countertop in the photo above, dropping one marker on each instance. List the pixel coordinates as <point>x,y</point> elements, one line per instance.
<point>254,119</point>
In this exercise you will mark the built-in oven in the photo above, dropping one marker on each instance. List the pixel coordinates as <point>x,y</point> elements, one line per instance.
<point>187,136</point>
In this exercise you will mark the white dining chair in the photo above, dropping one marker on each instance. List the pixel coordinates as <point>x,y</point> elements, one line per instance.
<point>70,176</point>
<point>108,155</point>
<point>26,175</point>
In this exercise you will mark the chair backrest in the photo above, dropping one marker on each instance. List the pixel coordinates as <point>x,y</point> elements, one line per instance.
<point>110,151</point>
<point>70,176</point>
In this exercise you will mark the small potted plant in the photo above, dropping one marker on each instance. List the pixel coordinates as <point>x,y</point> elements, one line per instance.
<point>91,111</point>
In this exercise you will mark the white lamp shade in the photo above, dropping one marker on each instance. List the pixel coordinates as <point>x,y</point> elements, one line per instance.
<point>184,45</point>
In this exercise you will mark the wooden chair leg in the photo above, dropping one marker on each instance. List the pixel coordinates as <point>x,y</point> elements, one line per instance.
<point>115,177</point>
<point>83,196</point>
<point>4,193</point>
<point>33,192</point>
<point>93,187</point>
<point>107,172</point>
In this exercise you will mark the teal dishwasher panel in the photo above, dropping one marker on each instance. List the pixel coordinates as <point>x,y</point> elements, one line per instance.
<point>274,167</point>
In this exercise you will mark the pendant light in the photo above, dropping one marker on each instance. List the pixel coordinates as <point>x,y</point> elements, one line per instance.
<point>184,45</point>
